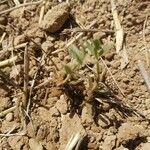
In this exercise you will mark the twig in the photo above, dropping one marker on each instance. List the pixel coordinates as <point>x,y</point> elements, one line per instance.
<point>9,61</point>
<point>3,113</point>
<point>42,12</point>
<point>18,46</point>
<point>144,74</point>
<point>43,83</point>
<point>3,1</point>
<point>145,43</point>
<point>19,6</point>
<point>26,77</point>
<point>112,76</point>
<point>80,34</point>
<point>2,38</point>
<point>14,134</point>
<point>119,30</point>
<point>87,30</point>
<point>33,82</point>
<point>16,2</point>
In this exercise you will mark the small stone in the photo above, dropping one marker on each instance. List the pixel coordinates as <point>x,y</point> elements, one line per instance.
<point>41,133</point>
<point>109,142</point>
<point>61,105</point>
<point>92,146</point>
<point>109,56</point>
<point>143,88</point>
<point>51,146</point>
<point>125,80</point>
<point>9,117</point>
<point>55,18</point>
<point>102,123</point>
<point>19,39</point>
<point>47,46</point>
<point>116,65</point>
<point>132,74</point>
<point>121,148</point>
<point>92,139</point>
<point>106,106</point>
<point>147,103</point>
<point>35,145</point>
<point>54,112</point>
<point>99,35</point>
<point>3,20</point>
<point>145,146</point>
<point>61,55</point>
<point>129,131</point>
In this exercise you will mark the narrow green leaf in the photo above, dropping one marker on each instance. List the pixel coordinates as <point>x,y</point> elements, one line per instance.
<point>68,69</point>
<point>77,54</point>
<point>97,44</point>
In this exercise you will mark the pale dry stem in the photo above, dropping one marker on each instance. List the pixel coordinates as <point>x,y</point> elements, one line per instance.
<point>9,61</point>
<point>112,76</point>
<point>19,6</point>
<point>5,112</point>
<point>145,43</point>
<point>26,77</point>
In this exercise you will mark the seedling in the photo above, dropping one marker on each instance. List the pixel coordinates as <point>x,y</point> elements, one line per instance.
<point>78,55</point>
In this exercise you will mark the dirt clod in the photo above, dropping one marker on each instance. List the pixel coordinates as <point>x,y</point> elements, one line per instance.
<point>55,18</point>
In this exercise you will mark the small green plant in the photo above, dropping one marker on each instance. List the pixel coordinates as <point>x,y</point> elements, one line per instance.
<point>78,55</point>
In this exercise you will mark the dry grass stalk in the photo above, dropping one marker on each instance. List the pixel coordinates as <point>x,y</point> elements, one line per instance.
<point>119,30</point>
<point>144,74</point>
<point>16,2</point>
<point>42,12</point>
<point>145,43</point>
<point>9,61</point>
<point>26,77</point>
<point>124,57</point>
<point>17,46</point>
<point>79,35</point>
<point>3,1</point>
<point>2,38</point>
<point>43,83</point>
<point>3,113</point>
<point>19,6</point>
<point>112,76</point>
<point>14,134</point>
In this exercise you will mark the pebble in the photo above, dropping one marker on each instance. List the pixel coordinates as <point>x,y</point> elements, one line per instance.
<point>126,80</point>
<point>143,88</point>
<point>109,56</point>
<point>3,20</point>
<point>103,124</point>
<point>9,117</point>
<point>55,18</point>
<point>116,65</point>
<point>61,105</point>
<point>99,35</point>
<point>145,146</point>
<point>47,46</point>
<point>147,103</point>
<point>35,145</point>
<point>92,146</point>
<point>55,112</point>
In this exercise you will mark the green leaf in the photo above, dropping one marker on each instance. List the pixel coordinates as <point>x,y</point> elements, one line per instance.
<point>90,47</point>
<point>108,47</point>
<point>68,69</point>
<point>95,48</point>
<point>97,44</point>
<point>77,54</point>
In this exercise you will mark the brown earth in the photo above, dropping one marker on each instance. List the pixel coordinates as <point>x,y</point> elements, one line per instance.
<point>59,109</point>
